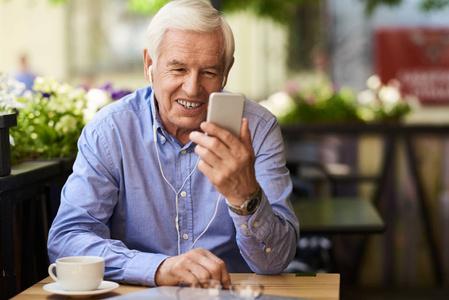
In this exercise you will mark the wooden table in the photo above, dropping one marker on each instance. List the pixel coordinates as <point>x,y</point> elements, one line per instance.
<point>337,216</point>
<point>320,287</point>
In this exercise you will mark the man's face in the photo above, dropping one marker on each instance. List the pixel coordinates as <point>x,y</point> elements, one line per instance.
<point>190,67</point>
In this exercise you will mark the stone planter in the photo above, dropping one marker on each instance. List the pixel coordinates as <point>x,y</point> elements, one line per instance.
<point>6,121</point>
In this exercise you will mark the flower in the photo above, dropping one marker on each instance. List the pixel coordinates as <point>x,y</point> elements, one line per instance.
<point>96,99</point>
<point>316,99</point>
<point>50,120</point>
<point>384,101</point>
<point>66,125</point>
<point>10,90</point>
<point>279,104</point>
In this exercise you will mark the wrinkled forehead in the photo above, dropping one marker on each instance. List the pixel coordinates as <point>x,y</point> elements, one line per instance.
<point>203,44</point>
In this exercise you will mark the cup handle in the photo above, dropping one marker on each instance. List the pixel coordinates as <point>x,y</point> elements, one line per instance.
<point>51,273</point>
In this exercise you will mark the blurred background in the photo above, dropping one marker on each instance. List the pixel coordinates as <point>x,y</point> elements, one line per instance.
<point>383,60</point>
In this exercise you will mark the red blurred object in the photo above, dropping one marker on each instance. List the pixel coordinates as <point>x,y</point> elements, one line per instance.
<point>418,57</point>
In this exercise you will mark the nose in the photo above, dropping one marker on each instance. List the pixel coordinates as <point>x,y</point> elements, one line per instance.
<point>192,84</point>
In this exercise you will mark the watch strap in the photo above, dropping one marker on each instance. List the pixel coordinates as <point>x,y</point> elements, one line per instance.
<point>249,206</point>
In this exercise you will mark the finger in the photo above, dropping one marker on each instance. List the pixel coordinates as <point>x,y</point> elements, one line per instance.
<point>245,134</point>
<point>198,271</point>
<point>211,148</point>
<point>189,269</point>
<point>199,265</point>
<point>215,266</point>
<point>222,134</point>
<point>208,156</point>
<point>172,271</point>
<point>225,278</point>
<point>206,141</point>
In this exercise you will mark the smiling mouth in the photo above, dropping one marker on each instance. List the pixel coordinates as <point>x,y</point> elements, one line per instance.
<point>190,105</point>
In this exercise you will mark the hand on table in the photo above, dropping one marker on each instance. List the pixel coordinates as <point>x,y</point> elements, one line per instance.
<point>190,267</point>
<point>227,161</point>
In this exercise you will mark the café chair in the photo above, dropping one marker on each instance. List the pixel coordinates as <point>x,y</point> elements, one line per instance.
<point>313,253</point>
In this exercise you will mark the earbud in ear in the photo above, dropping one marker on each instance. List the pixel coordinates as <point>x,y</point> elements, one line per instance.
<point>150,77</point>
<point>223,83</point>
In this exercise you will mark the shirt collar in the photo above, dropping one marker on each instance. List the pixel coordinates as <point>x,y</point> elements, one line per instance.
<point>163,134</point>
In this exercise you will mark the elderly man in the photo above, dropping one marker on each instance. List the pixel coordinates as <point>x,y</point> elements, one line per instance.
<point>163,202</point>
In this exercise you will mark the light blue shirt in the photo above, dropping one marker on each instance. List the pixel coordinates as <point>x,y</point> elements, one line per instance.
<point>117,205</point>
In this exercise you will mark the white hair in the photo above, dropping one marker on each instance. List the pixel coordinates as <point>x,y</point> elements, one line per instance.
<point>188,15</point>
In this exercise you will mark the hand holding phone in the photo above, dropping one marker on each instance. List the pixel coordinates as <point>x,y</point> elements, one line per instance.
<point>226,111</point>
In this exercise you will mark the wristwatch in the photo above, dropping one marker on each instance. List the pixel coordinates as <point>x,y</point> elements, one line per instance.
<point>249,206</point>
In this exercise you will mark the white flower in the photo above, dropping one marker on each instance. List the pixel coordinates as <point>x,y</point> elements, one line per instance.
<point>367,98</point>
<point>97,98</point>
<point>390,97</point>
<point>88,114</point>
<point>388,94</point>
<point>46,85</point>
<point>279,104</point>
<point>373,82</point>
<point>10,90</point>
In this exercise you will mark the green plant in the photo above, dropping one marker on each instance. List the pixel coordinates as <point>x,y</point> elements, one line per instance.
<point>51,118</point>
<point>381,102</point>
<point>313,99</point>
<point>50,122</point>
<point>424,5</point>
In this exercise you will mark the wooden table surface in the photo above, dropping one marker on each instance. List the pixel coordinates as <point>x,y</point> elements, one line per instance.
<point>320,287</point>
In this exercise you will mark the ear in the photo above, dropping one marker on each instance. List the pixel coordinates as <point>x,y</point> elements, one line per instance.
<point>225,78</point>
<point>147,62</point>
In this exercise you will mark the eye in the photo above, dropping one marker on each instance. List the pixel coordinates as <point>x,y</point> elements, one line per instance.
<point>209,74</point>
<point>178,70</point>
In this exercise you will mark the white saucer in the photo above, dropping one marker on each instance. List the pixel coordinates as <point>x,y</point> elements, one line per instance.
<point>105,286</point>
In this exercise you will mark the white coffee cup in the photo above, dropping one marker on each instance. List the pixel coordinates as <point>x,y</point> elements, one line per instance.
<point>78,273</point>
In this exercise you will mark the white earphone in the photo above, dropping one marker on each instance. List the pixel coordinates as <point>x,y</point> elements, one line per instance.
<point>150,77</point>
<point>177,195</point>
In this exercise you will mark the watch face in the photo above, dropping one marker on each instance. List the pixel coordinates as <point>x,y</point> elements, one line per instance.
<point>252,205</point>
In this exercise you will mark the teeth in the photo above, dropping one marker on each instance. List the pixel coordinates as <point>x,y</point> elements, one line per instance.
<point>187,104</point>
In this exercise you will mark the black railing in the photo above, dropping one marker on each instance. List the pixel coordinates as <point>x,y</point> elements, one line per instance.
<point>28,201</point>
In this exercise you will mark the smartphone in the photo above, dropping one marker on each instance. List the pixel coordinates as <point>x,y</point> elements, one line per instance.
<point>226,111</point>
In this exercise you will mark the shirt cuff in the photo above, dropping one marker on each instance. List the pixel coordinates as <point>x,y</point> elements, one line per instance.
<point>257,224</point>
<point>141,269</point>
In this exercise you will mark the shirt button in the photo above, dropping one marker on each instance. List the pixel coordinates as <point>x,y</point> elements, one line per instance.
<point>185,236</point>
<point>268,250</point>
<point>256,223</point>
<point>243,226</point>
<point>183,151</point>
<point>183,194</point>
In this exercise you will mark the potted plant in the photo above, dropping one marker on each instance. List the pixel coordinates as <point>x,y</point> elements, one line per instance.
<point>51,119</point>
<point>10,90</point>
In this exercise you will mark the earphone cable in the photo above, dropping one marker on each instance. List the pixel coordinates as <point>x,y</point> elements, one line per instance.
<point>174,190</point>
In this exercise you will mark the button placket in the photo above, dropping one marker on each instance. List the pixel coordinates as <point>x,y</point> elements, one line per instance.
<point>186,158</point>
